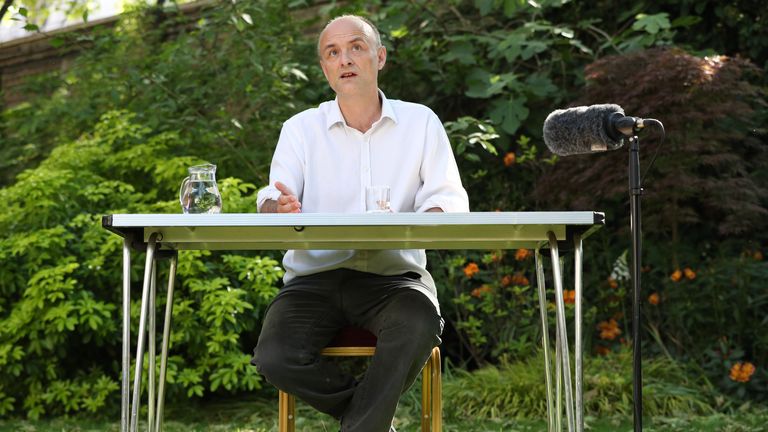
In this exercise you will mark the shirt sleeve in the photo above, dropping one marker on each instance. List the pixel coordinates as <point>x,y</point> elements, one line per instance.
<point>287,166</point>
<point>441,183</point>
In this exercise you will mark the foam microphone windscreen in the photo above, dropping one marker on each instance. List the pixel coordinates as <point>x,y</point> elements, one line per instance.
<point>580,130</point>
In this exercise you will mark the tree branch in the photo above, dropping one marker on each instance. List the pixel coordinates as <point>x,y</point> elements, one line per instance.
<point>4,9</point>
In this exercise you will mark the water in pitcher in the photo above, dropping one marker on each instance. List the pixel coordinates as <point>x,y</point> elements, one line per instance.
<point>199,192</point>
<point>201,197</point>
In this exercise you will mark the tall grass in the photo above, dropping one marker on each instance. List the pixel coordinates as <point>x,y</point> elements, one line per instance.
<point>517,390</point>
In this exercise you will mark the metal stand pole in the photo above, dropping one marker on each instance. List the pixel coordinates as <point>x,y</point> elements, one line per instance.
<point>635,190</point>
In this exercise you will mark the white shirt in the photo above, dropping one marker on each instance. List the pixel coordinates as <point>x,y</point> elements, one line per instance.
<point>328,165</point>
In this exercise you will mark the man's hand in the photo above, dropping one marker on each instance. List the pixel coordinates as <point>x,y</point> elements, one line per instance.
<point>287,202</point>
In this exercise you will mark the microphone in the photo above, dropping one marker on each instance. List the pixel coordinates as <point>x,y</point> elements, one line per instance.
<point>589,129</point>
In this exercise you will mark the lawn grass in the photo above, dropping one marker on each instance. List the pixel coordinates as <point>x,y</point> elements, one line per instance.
<point>506,399</point>
<point>750,422</point>
<point>260,415</point>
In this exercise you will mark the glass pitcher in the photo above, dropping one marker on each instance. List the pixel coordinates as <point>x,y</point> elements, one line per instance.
<point>199,192</point>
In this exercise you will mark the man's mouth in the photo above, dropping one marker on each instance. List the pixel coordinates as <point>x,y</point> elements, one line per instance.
<point>348,75</point>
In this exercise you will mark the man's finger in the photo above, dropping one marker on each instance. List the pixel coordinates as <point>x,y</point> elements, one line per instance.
<point>283,188</point>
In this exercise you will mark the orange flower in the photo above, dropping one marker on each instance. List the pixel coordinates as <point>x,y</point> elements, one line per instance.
<point>477,292</point>
<point>522,254</point>
<point>653,299</point>
<point>506,281</point>
<point>471,269</point>
<point>509,159</point>
<point>601,350</point>
<point>569,296</point>
<point>757,256</point>
<point>496,257</point>
<point>609,330</point>
<point>690,274</point>
<point>613,283</point>
<point>520,280</point>
<point>742,372</point>
<point>676,275</point>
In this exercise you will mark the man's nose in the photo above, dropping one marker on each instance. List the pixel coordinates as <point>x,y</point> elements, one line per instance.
<point>346,58</point>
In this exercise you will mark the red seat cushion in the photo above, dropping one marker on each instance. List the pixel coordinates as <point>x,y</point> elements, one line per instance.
<point>353,336</point>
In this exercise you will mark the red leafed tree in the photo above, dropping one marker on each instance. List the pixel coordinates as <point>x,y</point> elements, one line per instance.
<point>710,172</point>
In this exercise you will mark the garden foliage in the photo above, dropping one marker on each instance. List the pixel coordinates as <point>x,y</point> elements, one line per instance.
<point>161,92</point>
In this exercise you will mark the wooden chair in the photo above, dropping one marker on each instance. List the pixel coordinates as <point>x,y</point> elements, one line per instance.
<point>354,342</point>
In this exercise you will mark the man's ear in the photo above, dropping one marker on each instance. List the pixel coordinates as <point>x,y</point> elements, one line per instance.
<point>381,54</point>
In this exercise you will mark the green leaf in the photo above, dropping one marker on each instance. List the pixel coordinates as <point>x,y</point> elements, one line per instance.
<point>651,23</point>
<point>511,46</point>
<point>485,6</point>
<point>483,85</point>
<point>509,113</point>
<point>512,6</point>
<point>686,21</point>
<point>540,85</point>
<point>461,50</point>
<point>57,42</point>
<point>533,47</point>
<point>399,32</point>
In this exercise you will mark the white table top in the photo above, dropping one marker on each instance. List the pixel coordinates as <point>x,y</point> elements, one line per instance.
<point>233,231</point>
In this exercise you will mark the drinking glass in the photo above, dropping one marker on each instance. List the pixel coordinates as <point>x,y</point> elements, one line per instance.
<point>377,199</point>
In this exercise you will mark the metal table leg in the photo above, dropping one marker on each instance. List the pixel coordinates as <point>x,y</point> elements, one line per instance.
<point>151,349</point>
<point>166,341</point>
<point>142,331</point>
<point>578,348</point>
<point>562,333</point>
<point>558,384</point>
<point>545,337</point>
<point>126,379</point>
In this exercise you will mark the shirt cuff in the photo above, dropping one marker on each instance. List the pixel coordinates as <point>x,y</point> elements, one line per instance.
<point>446,203</point>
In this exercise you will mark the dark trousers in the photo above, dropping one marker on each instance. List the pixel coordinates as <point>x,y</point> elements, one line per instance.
<point>309,311</point>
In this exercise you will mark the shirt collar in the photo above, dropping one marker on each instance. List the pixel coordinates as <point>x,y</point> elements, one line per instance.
<point>335,117</point>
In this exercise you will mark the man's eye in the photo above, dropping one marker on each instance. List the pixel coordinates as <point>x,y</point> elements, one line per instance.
<point>332,53</point>
<point>356,47</point>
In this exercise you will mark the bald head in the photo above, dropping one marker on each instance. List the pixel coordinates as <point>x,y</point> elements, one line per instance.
<point>367,27</point>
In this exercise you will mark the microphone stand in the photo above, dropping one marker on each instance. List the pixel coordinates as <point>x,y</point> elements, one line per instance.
<point>635,191</point>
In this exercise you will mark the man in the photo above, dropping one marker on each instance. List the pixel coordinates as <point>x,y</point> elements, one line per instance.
<point>324,160</point>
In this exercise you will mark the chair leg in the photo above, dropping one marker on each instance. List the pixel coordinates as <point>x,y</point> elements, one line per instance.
<point>426,395</point>
<point>286,417</point>
<point>437,392</point>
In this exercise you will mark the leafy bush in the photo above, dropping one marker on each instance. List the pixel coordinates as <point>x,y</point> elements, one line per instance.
<point>59,324</point>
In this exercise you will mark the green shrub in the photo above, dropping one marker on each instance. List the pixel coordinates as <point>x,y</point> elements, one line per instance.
<point>61,278</point>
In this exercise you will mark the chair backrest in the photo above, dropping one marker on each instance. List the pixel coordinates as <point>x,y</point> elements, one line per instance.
<point>353,336</point>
